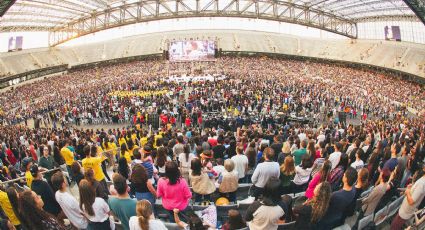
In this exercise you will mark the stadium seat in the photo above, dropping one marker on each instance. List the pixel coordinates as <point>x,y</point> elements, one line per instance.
<point>394,206</point>
<point>286,226</point>
<point>365,221</point>
<point>381,216</point>
<point>243,191</point>
<point>343,227</point>
<point>196,208</point>
<point>243,207</point>
<point>366,193</point>
<point>300,194</point>
<point>172,226</point>
<point>358,204</point>
<point>222,212</point>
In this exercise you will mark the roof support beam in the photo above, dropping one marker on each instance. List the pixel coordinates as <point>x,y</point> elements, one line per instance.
<point>56,8</point>
<point>418,7</point>
<point>385,18</point>
<point>148,10</point>
<point>5,5</point>
<point>35,15</point>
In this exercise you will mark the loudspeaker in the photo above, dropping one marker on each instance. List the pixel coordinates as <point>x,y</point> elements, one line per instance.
<point>167,55</point>
<point>216,53</point>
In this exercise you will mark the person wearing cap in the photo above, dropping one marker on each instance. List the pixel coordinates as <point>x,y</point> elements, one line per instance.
<point>206,158</point>
<point>147,162</point>
<point>26,164</point>
<point>43,189</point>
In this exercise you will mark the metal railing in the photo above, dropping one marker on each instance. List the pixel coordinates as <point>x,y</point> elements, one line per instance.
<point>23,177</point>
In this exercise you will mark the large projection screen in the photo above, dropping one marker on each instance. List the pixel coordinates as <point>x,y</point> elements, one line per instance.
<point>191,51</point>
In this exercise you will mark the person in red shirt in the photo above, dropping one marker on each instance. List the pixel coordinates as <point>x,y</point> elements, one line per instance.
<point>32,151</point>
<point>142,119</point>
<point>173,121</point>
<point>134,119</point>
<point>199,119</point>
<point>10,157</point>
<point>187,122</point>
<point>164,119</point>
<point>212,141</point>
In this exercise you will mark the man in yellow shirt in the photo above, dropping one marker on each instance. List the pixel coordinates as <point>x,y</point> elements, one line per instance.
<point>26,164</point>
<point>7,208</point>
<point>68,156</point>
<point>143,140</point>
<point>94,162</point>
<point>157,136</point>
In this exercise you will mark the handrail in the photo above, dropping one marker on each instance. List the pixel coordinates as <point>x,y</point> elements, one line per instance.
<point>21,178</point>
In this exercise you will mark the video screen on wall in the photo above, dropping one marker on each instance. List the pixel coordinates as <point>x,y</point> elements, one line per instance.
<point>191,51</point>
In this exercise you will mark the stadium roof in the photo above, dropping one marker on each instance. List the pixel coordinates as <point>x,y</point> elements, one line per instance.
<point>80,17</point>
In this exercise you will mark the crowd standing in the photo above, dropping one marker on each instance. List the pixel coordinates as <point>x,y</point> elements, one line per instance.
<point>162,168</point>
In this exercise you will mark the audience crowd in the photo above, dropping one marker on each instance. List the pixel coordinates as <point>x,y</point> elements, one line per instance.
<point>279,84</point>
<point>183,172</point>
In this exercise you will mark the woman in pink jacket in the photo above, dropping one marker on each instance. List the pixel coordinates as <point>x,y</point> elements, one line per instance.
<point>173,189</point>
<point>320,177</point>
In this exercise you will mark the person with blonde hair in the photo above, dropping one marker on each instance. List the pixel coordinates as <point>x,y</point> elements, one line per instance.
<point>145,219</point>
<point>286,151</point>
<point>287,174</point>
<point>228,181</point>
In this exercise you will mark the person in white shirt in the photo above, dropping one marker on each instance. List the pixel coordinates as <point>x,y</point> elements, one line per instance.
<point>145,218</point>
<point>358,164</point>
<point>302,174</point>
<point>184,160</point>
<point>335,156</point>
<point>366,144</point>
<point>67,202</point>
<point>356,144</point>
<point>302,136</point>
<point>266,214</point>
<point>264,171</point>
<point>219,168</point>
<point>241,163</point>
<point>414,195</point>
<point>321,137</point>
<point>95,209</point>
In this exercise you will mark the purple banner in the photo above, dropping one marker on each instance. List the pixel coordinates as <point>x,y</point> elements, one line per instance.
<point>392,33</point>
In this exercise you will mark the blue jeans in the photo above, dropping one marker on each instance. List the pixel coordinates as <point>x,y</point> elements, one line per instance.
<point>71,175</point>
<point>182,215</point>
<point>199,197</point>
<point>406,176</point>
<point>146,196</point>
<point>242,180</point>
<point>231,196</point>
